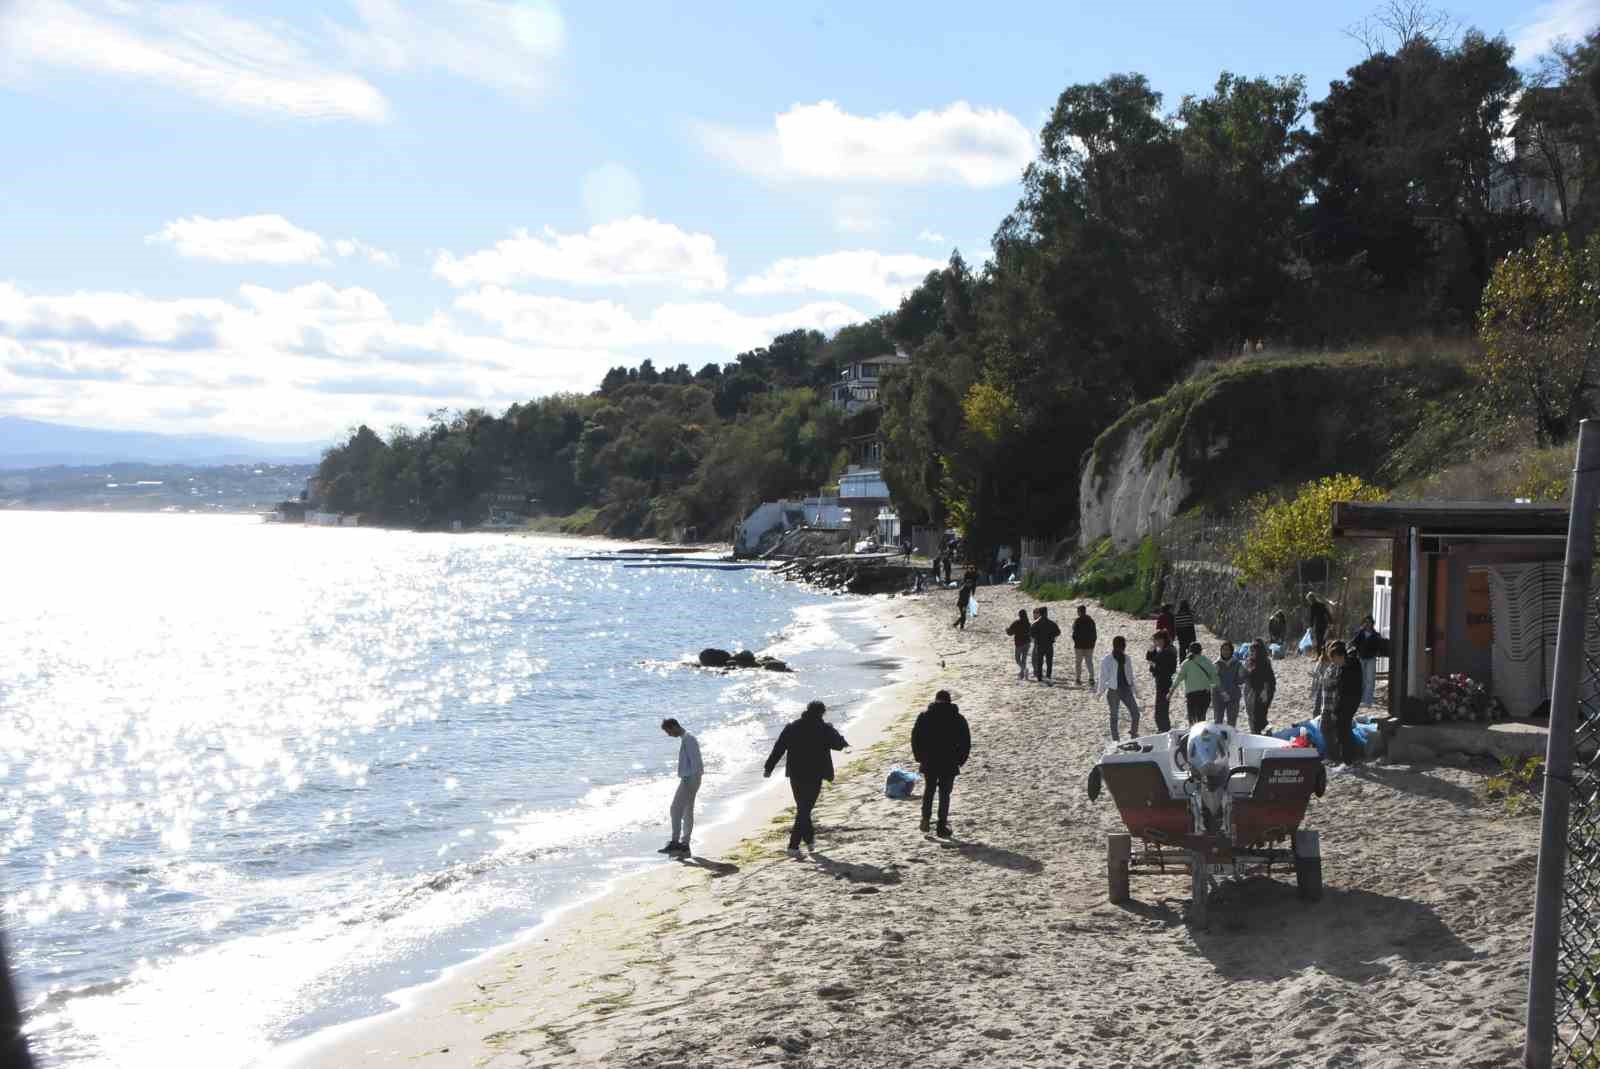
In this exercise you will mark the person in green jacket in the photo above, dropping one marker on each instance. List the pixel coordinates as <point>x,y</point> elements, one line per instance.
<point>1198,677</point>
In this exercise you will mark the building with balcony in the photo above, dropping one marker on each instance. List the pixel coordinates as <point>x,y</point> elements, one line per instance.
<point>858,384</point>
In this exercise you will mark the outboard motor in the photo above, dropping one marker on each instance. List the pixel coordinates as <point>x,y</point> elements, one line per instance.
<point>1209,748</point>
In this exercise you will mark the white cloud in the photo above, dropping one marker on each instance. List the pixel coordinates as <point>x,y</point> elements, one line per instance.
<point>883,278</point>
<point>618,253</point>
<point>351,248</point>
<point>259,239</point>
<point>266,66</point>
<point>275,363</point>
<point>505,44</point>
<point>250,66</point>
<point>1552,21</point>
<point>933,237</point>
<point>557,321</point>
<point>310,360</point>
<point>959,145</point>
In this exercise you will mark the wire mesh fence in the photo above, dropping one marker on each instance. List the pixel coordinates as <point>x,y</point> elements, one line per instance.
<point>1577,994</point>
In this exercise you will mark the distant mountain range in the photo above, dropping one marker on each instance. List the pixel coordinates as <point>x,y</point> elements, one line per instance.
<point>29,443</point>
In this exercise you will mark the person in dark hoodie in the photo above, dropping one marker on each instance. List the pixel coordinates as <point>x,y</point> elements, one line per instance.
<point>809,743</point>
<point>1163,661</point>
<point>1021,634</point>
<point>941,741</point>
<point>1347,702</point>
<point>1045,631</point>
<point>1260,686</point>
<point>963,597</point>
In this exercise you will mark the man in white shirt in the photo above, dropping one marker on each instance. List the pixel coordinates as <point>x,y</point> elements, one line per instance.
<point>690,769</point>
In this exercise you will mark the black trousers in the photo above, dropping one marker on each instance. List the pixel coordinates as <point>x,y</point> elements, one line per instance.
<point>1199,705</point>
<point>1186,637</point>
<point>1163,705</point>
<point>805,800</point>
<point>1336,736</point>
<point>1044,659</point>
<point>942,781</point>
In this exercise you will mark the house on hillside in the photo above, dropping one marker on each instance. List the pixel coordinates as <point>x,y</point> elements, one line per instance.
<point>1545,172</point>
<point>858,384</point>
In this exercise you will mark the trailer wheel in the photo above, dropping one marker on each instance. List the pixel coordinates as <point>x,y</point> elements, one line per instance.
<point>1119,854</point>
<point>1200,888</point>
<point>1308,865</point>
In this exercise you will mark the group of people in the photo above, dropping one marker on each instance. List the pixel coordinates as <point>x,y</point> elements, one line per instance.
<point>1038,636</point>
<point>941,742</point>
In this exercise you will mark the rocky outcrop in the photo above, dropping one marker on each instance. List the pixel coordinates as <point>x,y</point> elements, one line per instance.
<point>711,657</point>
<point>1253,425</point>
<point>1125,494</point>
<point>854,573</point>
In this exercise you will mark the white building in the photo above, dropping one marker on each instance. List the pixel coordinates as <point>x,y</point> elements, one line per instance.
<point>857,387</point>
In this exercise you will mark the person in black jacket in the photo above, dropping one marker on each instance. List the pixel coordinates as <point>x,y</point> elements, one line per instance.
<point>1045,631</point>
<point>1336,736</point>
<point>1021,634</point>
<point>1183,621</point>
<point>1163,661</point>
<point>963,597</point>
<point>941,741</point>
<point>809,742</point>
<point>1084,636</point>
<point>1366,646</point>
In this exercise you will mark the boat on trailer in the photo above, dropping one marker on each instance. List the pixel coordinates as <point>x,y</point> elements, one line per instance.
<point>1222,802</point>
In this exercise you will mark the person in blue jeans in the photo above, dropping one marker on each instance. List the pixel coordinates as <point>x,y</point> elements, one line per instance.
<point>1117,684</point>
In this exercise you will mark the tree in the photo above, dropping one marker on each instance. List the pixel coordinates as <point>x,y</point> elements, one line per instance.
<point>1540,328</point>
<point>1282,534</point>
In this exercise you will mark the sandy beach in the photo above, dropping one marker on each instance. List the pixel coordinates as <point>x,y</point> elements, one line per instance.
<point>998,947</point>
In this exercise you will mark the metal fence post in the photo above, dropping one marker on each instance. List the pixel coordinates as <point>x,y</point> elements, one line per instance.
<point>1538,1046</point>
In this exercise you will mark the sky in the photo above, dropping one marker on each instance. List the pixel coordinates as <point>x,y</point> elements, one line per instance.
<point>282,218</point>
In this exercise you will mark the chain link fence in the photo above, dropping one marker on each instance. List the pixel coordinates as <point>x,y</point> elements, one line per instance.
<point>1564,966</point>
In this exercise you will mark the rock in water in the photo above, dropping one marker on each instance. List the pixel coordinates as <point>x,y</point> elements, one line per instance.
<point>772,664</point>
<point>715,658</point>
<point>744,659</point>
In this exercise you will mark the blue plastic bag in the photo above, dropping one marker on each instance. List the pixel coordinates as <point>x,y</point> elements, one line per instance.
<point>901,783</point>
<point>1307,641</point>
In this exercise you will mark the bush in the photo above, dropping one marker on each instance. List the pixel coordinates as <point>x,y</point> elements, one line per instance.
<point>1284,533</point>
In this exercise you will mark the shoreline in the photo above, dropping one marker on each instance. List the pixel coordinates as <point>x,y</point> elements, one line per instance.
<point>431,1009</point>
<point>999,947</point>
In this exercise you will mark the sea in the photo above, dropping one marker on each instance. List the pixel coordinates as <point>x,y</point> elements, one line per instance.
<point>256,779</point>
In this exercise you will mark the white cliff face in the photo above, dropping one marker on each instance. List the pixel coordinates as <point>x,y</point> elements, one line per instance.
<point>1132,498</point>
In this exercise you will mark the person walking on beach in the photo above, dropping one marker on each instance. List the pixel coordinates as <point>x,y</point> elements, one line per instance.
<point>1199,678</point>
<point>690,771</point>
<point>1116,683</point>
<point>1164,621</point>
<point>1163,662</point>
<point>1230,683</point>
<point>1367,646</point>
<point>1183,621</point>
<point>1260,686</point>
<point>963,598</point>
<point>1021,634</point>
<point>941,742</point>
<point>1045,633</point>
<point>809,743</point>
<point>1084,637</point>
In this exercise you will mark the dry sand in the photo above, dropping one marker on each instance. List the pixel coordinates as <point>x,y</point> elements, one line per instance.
<point>998,948</point>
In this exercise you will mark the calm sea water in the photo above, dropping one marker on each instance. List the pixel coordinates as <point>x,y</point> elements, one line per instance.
<point>253,778</point>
